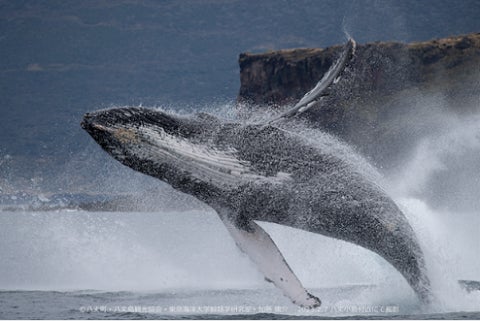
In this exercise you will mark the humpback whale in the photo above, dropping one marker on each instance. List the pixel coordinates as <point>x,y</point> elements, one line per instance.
<point>251,172</point>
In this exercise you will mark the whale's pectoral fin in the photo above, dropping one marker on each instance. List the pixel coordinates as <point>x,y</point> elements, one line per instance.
<point>258,245</point>
<point>321,88</point>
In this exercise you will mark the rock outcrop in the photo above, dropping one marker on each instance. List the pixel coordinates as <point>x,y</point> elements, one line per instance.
<point>392,94</point>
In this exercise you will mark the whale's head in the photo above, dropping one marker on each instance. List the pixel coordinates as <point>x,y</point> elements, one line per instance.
<point>122,131</point>
<point>176,149</point>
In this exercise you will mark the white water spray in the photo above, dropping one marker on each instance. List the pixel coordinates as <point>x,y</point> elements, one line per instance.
<point>192,250</point>
<point>449,235</point>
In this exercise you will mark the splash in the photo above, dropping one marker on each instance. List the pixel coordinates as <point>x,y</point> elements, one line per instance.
<point>448,226</point>
<point>192,250</point>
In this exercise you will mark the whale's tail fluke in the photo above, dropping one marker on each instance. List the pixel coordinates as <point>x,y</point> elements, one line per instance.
<point>469,285</point>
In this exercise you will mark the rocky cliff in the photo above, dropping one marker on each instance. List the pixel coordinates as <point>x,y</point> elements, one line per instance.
<point>392,94</point>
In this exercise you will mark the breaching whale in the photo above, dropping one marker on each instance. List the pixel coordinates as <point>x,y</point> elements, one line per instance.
<point>261,172</point>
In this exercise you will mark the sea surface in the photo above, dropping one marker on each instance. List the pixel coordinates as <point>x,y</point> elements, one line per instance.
<point>224,304</point>
<point>75,264</point>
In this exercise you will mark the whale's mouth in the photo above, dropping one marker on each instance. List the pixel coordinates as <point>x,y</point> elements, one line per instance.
<point>92,125</point>
<point>132,118</point>
<point>121,135</point>
<point>107,134</point>
<point>99,126</point>
<point>99,132</point>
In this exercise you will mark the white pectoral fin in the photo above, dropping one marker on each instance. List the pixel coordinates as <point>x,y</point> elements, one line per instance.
<point>332,76</point>
<point>261,249</point>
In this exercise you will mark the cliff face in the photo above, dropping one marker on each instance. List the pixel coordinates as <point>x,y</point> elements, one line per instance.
<point>391,96</point>
<point>283,76</point>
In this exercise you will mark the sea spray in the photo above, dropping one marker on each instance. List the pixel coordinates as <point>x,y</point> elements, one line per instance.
<point>447,231</point>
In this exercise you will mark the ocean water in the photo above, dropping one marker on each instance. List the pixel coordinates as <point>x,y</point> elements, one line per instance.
<point>69,264</point>
<point>224,304</point>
